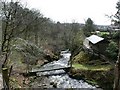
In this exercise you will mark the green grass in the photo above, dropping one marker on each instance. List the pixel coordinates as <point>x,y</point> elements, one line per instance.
<point>92,67</point>
<point>104,33</point>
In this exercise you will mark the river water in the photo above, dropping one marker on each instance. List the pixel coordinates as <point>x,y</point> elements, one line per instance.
<point>60,77</point>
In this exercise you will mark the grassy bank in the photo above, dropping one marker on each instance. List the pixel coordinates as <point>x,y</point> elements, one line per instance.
<point>92,67</point>
<point>101,75</point>
<point>93,70</point>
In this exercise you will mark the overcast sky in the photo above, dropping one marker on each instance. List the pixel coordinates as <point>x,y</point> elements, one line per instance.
<point>78,10</point>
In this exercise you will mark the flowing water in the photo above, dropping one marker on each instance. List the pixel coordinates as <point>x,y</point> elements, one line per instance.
<point>60,77</point>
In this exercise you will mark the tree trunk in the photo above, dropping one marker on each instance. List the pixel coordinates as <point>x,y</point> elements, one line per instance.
<point>5,78</point>
<point>117,77</point>
<point>36,38</point>
<point>26,34</point>
<point>117,70</point>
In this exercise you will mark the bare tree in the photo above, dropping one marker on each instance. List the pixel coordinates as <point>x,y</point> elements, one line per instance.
<point>117,66</point>
<point>13,24</point>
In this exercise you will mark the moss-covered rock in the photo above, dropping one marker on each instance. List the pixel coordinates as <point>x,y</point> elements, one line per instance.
<point>81,58</point>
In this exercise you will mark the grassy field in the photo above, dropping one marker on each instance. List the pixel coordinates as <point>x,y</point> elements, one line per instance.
<point>92,67</point>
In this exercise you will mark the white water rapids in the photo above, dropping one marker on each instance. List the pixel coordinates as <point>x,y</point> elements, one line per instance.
<point>63,80</point>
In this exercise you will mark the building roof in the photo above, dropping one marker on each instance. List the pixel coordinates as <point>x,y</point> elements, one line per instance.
<point>94,39</point>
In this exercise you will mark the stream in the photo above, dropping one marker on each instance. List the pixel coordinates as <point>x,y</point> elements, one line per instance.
<point>59,77</point>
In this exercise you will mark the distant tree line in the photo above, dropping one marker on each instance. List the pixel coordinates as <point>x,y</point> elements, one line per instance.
<point>31,25</point>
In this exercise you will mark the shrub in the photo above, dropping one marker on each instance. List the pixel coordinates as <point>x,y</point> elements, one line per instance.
<point>112,50</point>
<point>30,51</point>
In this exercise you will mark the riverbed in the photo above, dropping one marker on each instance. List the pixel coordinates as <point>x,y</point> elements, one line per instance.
<point>60,78</point>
